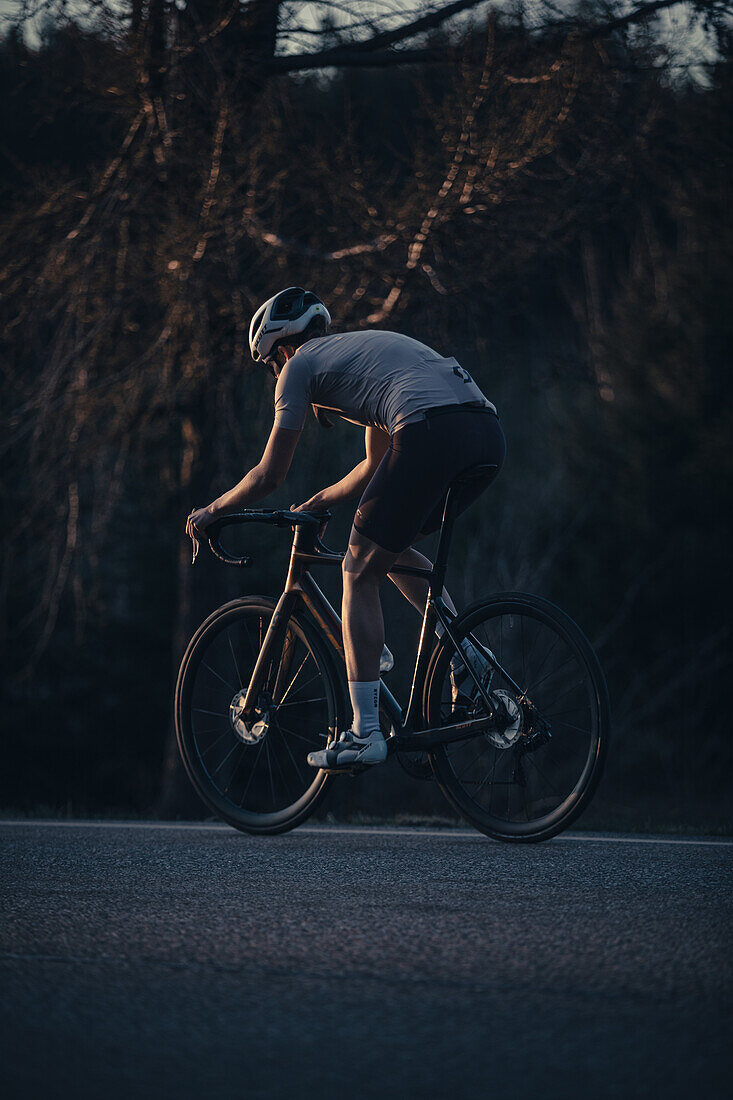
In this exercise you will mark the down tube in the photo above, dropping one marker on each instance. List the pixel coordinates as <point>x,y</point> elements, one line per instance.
<point>330,623</point>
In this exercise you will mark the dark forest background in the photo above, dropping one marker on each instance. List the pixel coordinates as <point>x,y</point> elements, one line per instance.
<point>548,201</point>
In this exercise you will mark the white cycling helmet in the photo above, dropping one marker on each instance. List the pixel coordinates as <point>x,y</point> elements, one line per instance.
<point>283,315</point>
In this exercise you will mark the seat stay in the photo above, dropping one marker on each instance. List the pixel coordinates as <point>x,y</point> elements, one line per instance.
<point>453,638</point>
<point>488,656</point>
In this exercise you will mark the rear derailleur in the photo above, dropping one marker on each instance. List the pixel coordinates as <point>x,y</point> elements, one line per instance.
<point>536,733</point>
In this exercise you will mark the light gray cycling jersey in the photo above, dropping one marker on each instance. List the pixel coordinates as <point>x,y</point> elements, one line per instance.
<point>371,377</point>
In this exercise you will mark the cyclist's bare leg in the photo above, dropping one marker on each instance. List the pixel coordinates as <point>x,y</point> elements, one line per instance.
<point>365,567</point>
<point>415,589</point>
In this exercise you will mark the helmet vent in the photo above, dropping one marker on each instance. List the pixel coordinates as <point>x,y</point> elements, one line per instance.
<point>290,304</point>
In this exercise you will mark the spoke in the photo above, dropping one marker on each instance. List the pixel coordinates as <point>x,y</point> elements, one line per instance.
<point>251,774</point>
<point>544,659</point>
<point>529,757</point>
<point>297,674</point>
<point>249,640</point>
<point>568,690</point>
<point>570,726</point>
<point>215,673</point>
<point>216,713</point>
<point>234,659</point>
<point>302,702</point>
<point>533,686</point>
<point>315,676</point>
<point>223,762</point>
<point>304,719</point>
<point>290,754</point>
<point>202,753</point>
<point>269,771</point>
<point>508,804</point>
<point>475,760</point>
<point>537,633</point>
<point>279,768</point>
<point>482,784</point>
<point>492,785</point>
<point>292,733</point>
<point>568,710</point>
<point>234,773</point>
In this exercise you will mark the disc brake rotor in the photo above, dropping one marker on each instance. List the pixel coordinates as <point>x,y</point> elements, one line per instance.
<point>249,732</point>
<point>509,735</point>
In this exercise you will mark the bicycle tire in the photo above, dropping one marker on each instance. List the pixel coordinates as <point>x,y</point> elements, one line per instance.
<point>537,609</point>
<point>246,820</point>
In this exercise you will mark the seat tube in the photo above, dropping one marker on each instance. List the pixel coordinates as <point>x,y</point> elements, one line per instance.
<point>440,567</point>
<point>427,635</point>
<point>424,650</point>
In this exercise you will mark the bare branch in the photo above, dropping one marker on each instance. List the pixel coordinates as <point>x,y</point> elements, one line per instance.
<point>418,26</point>
<point>346,58</point>
<point>372,51</point>
<point>374,47</point>
<point>647,10</point>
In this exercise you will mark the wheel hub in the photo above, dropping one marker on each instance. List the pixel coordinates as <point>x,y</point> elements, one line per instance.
<point>249,732</point>
<point>505,738</point>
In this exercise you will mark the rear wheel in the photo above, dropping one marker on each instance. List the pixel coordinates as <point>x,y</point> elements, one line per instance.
<point>530,779</point>
<point>256,776</point>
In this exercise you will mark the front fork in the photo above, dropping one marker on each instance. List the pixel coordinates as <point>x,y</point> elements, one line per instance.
<point>274,643</point>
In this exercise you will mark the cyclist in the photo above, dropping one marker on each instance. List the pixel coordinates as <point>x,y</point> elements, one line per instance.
<point>425,420</point>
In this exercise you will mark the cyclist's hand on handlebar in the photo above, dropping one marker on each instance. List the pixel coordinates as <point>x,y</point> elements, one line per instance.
<point>314,504</point>
<point>198,521</point>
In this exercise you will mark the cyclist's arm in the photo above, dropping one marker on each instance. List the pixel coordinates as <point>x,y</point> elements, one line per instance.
<point>353,485</point>
<point>262,479</point>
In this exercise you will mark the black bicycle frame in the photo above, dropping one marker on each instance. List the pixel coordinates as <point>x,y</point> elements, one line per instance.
<point>308,550</point>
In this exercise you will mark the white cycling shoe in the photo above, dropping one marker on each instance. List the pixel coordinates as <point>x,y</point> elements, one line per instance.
<point>464,692</point>
<point>350,751</point>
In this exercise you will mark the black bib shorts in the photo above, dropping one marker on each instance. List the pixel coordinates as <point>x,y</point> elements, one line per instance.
<point>404,499</point>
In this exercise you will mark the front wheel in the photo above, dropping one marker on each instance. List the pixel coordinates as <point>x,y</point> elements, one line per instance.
<point>255,776</point>
<point>532,775</point>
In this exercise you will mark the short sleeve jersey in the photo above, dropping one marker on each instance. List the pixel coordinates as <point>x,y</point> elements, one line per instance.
<point>371,377</point>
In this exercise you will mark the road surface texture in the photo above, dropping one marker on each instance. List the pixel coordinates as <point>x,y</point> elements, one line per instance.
<point>145,960</point>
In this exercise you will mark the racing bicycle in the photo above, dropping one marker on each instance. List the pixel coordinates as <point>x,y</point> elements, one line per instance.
<point>518,753</point>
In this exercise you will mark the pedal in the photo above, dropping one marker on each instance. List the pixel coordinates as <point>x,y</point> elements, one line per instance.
<point>352,769</point>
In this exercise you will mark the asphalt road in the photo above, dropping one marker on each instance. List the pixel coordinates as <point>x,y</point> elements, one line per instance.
<point>190,961</point>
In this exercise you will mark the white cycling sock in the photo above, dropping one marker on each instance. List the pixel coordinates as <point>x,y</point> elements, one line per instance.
<point>364,697</point>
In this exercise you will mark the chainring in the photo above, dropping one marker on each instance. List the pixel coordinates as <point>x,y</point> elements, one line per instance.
<point>416,764</point>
